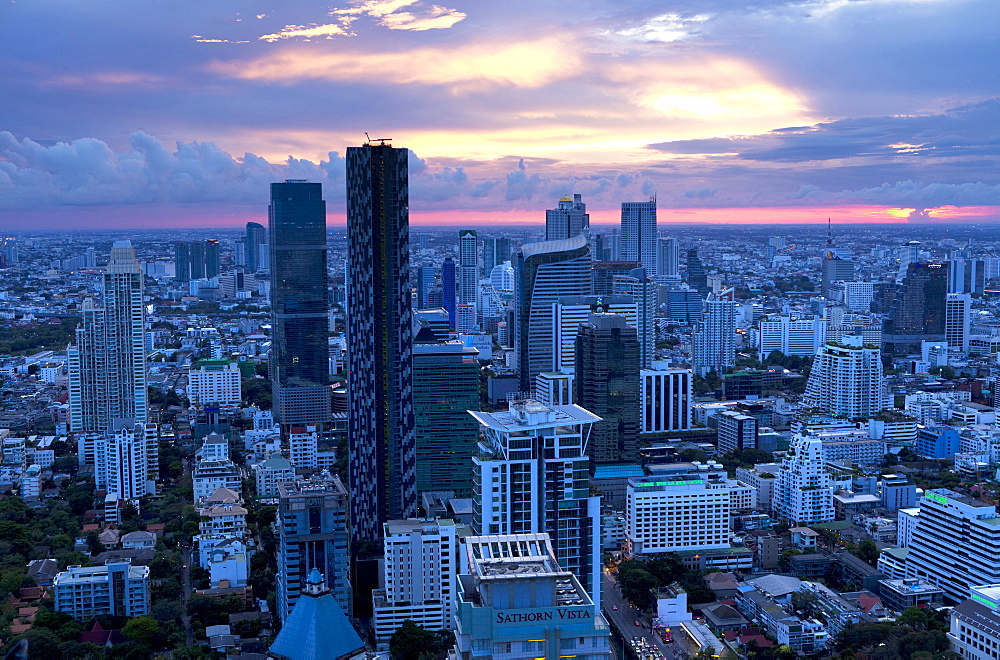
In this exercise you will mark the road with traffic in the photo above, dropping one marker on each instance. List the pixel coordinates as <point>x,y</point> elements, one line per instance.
<point>634,624</point>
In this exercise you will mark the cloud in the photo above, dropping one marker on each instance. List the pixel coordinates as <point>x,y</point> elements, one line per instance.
<point>418,17</point>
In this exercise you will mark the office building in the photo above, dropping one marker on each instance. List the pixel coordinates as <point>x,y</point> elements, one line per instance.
<point>643,292</point>
<point>496,250</point>
<point>955,544</point>
<point>697,278</point>
<point>449,292</point>
<point>803,490</point>
<point>791,336</point>
<point>975,624</point>
<point>676,514</point>
<point>664,399</point>
<point>182,261</point>
<point>107,361</point>
<point>380,340</point>
<point>917,311</point>
<point>445,386</point>
<point>196,252</point>
<point>126,459</point>
<point>517,601</point>
<point>605,272</point>
<point>212,258</point>
<point>957,320</point>
<point>568,312</point>
<point>846,379</point>
<point>554,388</point>
<point>299,303</point>
<point>639,238</point>
<point>568,219</point>
<point>532,477</point>
<point>858,296</point>
<point>545,272</point>
<point>735,431</point>
<point>420,574</point>
<point>312,534</point>
<point>835,269</point>
<point>215,383</point>
<point>685,306</point>
<point>714,342</point>
<point>256,238</point>
<point>966,276</point>
<point>116,589</point>
<point>668,260</point>
<point>425,285</point>
<point>607,385</point>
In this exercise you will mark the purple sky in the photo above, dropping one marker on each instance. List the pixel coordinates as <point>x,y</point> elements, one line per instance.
<point>181,113</point>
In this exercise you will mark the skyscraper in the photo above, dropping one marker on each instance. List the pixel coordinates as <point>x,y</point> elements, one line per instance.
<point>957,320</point>
<point>607,384</point>
<point>803,490</point>
<point>425,283</point>
<point>643,292</point>
<point>107,362</point>
<point>918,310</point>
<point>544,273</point>
<point>835,269</point>
<point>182,261</point>
<point>196,250</point>
<point>639,233</point>
<point>445,386</point>
<point>312,534</point>
<point>449,293</point>
<point>715,340</point>
<point>966,275</point>
<point>212,258</point>
<point>468,268</point>
<point>379,341</point>
<point>567,220</point>
<point>697,279</point>
<point>846,379</point>
<point>299,303</point>
<point>496,250</point>
<point>668,260</point>
<point>532,476</point>
<point>256,237</point>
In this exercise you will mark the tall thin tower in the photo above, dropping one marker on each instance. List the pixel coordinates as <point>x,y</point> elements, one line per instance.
<point>379,341</point>
<point>107,362</point>
<point>639,233</point>
<point>299,303</point>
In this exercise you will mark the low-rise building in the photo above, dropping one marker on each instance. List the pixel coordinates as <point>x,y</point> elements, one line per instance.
<point>909,592</point>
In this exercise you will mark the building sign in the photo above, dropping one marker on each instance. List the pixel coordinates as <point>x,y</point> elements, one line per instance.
<point>940,499</point>
<point>543,615</point>
<point>690,482</point>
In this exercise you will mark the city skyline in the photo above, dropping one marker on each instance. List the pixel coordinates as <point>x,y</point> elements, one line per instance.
<point>758,112</point>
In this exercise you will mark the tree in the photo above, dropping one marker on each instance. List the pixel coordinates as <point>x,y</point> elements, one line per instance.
<point>412,642</point>
<point>867,551</point>
<point>143,630</point>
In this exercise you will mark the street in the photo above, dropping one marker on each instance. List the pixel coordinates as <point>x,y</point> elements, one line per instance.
<point>625,617</point>
<point>186,584</point>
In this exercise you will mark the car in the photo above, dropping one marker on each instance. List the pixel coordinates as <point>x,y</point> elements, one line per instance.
<point>614,607</point>
<point>638,624</point>
<point>184,566</point>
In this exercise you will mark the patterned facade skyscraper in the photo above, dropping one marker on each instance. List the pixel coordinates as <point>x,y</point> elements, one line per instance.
<point>639,233</point>
<point>107,362</point>
<point>299,303</point>
<point>379,341</point>
<point>545,272</point>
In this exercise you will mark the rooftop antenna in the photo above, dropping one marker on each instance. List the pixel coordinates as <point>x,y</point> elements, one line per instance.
<point>829,232</point>
<point>381,141</point>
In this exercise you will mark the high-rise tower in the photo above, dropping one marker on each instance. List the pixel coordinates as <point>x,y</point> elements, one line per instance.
<point>468,267</point>
<point>568,219</point>
<point>107,362</point>
<point>846,379</point>
<point>256,237</point>
<point>379,341</point>
<point>299,303</point>
<point>639,233</point>
<point>545,272</point>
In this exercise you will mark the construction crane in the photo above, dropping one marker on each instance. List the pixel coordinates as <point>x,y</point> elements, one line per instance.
<point>381,141</point>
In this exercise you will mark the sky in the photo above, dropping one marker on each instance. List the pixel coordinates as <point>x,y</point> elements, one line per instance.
<point>179,114</point>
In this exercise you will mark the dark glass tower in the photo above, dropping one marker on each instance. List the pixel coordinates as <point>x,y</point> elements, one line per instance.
<point>182,262</point>
<point>197,259</point>
<point>212,258</point>
<point>607,384</point>
<point>918,312</point>
<point>379,342</point>
<point>449,294</point>
<point>256,236</point>
<point>299,303</point>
